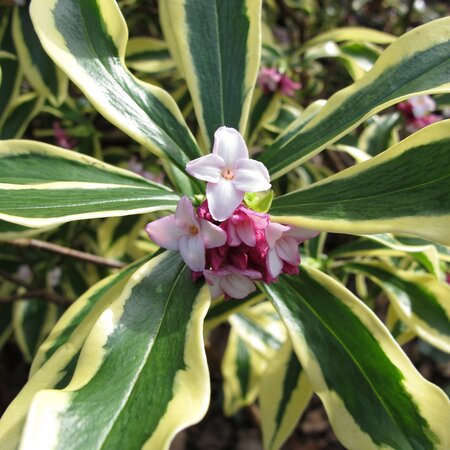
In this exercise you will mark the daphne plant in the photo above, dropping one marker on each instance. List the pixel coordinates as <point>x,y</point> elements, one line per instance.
<point>125,366</point>
<point>229,243</point>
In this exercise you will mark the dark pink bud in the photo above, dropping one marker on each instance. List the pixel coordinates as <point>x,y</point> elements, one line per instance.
<point>238,258</point>
<point>196,275</point>
<point>422,122</point>
<point>62,138</point>
<point>203,212</point>
<point>290,269</point>
<point>288,86</point>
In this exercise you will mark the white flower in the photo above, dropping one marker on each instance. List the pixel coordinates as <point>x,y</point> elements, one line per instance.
<point>185,232</point>
<point>422,105</point>
<point>229,173</point>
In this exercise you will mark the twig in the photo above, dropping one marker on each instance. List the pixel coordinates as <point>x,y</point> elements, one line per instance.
<point>40,294</point>
<point>54,248</point>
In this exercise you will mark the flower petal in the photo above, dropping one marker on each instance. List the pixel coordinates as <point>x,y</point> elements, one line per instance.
<point>233,239</point>
<point>246,232</point>
<point>229,144</point>
<point>274,232</point>
<point>213,280</point>
<point>207,168</point>
<point>165,232</point>
<point>301,234</point>
<point>192,251</point>
<point>185,214</point>
<point>251,176</point>
<point>237,286</point>
<point>287,250</point>
<point>223,199</point>
<point>274,263</point>
<point>212,235</point>
<point>249,273</point>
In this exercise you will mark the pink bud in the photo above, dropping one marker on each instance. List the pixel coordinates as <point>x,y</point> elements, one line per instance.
<point>288,86</point>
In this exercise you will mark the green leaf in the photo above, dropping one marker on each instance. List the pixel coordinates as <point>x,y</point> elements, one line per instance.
<point>421,301</point>
<point>264,109</point>
<point>13,231</point>
<point>444,252</point>
<point>359,58</point>
<point>259,201</point>
<point>284,394</point>
<point>242,368</point>
<point>5,323</point>
<point>42,185</point>
<point>222,309</point>
<point>426,253</point>
<point>256,335</point>
<point>87,39</point>
<point>405,189</point>
<point>81,316</point>
<point>32,321</point>
<point>56,359</point>
<point>351,34</point>
<point>416,63</point>
<point>142,373</point>
<point>380,133</point>
<point>149,55</point>
<point>20,113</point>
<point>217,47</point>
<point>11,74</point>
<point>373,395</point>
<point>39,69</point>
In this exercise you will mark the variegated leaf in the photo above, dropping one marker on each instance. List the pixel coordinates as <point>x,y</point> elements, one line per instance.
<point>150,342</point>
<point>373,395</point>
<point>284,394</point>
<point>404,189</point>
<point>88,41</point>
<point>217,47</point>
<point>416,63</point>
<point>421,301</point>
<point>42,185</point>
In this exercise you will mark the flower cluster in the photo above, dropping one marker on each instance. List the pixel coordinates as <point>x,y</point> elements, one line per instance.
<point>223,240</point>
<point>271,80</point>
<point>417,112</point>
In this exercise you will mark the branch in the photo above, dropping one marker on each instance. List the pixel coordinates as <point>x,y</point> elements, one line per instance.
<point>40,294</point>
<point>54,248</point>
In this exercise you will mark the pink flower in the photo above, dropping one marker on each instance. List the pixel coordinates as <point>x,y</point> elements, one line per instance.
<point>244,248</point>
<point>417,107</point>
<point>271,80</point>
<point>422,122</point>
<point>241,226</point>
<point>229,173</point>
<point>416,112</point>
<point>288,87</point>
<point>185,232</point>
<point>422,105</point>
<point>231,281</point>
<point>283,255</point>
<point>62,138</point>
